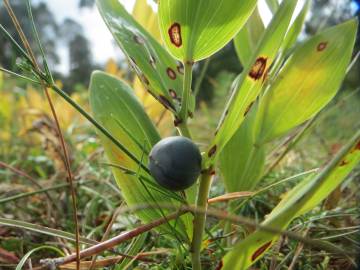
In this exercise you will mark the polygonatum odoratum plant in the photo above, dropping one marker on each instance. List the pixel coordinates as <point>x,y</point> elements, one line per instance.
<point>284,84</point>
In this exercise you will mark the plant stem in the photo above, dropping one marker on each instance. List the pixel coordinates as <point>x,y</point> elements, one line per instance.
<point>186,91</point>
<point>108,244</point>
<point>200,218</point>
<point>184,130</point>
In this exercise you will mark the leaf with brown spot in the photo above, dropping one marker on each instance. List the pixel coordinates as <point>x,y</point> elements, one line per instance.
<point>308,81</point>
<point>299,200</point>
<point>194,30</point>
<point>150,58</point>
<point>246,88</point>
<point>260,251</point>
<point>258,69</point>
<point>114,106</point>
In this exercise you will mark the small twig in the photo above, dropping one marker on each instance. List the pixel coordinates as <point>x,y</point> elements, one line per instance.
<point>31,179</point>
<point>19,75</point>
<point>96,249</point>
<point>298,250</point>
<point>107,231</point>
<point>20,173</point>
<point>220,214</point>
<point>294,140</point>
<point>230,196</point>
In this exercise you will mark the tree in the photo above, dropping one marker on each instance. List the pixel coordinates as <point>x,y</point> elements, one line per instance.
<point>46,27</point>
<point>81,64</point>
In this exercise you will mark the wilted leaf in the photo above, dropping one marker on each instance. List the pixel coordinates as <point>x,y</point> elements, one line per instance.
<point>194,30</point>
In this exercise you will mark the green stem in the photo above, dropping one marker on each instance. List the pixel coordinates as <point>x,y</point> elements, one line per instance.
<point>186,91</point>
<point>200,218</point>
<point>184,130</point>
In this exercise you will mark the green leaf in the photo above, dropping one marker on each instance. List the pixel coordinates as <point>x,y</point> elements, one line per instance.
<point>296,27</point>
<point>246,41</point>
<point>22,262</point>
<point>301,199</point>
<point>160,74</point>
<point>273,5</point>
<point>252,79</point>
<point>1,80</point>
<point>136,245</point>
<point>194,30</point>
<point>44,230</point>
<point>243,172</point>
<point>308,80</point>
<point>115,106</point>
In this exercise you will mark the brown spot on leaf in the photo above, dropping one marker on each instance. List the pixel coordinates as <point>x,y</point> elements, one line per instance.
<point>357,147</point>
<point>175,34</point>
<point>248,108</point>
<point>258,69</point>
<point>152,61</point>
<point>171,73</point>
<point>343,163</point>
<point>321,46</point>
<point>173,93</point>
<point>177,122</point>
<point>165,102</point>
<point>260,251</point>
<point>190,114</point>
<point>213,172</point>
<point>212,151</point>
<point>220,265</point>
<point>180,68</point>
<point>144,79</point>
<point>139,40</point>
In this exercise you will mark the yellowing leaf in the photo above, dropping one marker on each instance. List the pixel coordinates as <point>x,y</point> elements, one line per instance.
<point>298,201</point>
<point>241,173</point>
<point>251,80</point>
<point>308,81</point>
<point>144,15</point>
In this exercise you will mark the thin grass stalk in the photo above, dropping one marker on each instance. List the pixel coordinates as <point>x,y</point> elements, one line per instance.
<point>60,135</point>
<point>220,214</point>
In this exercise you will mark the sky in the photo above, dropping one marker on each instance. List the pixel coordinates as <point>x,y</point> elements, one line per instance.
<point>102,43</point>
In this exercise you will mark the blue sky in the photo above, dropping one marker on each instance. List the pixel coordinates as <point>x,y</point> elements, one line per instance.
<point>102,44</point>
